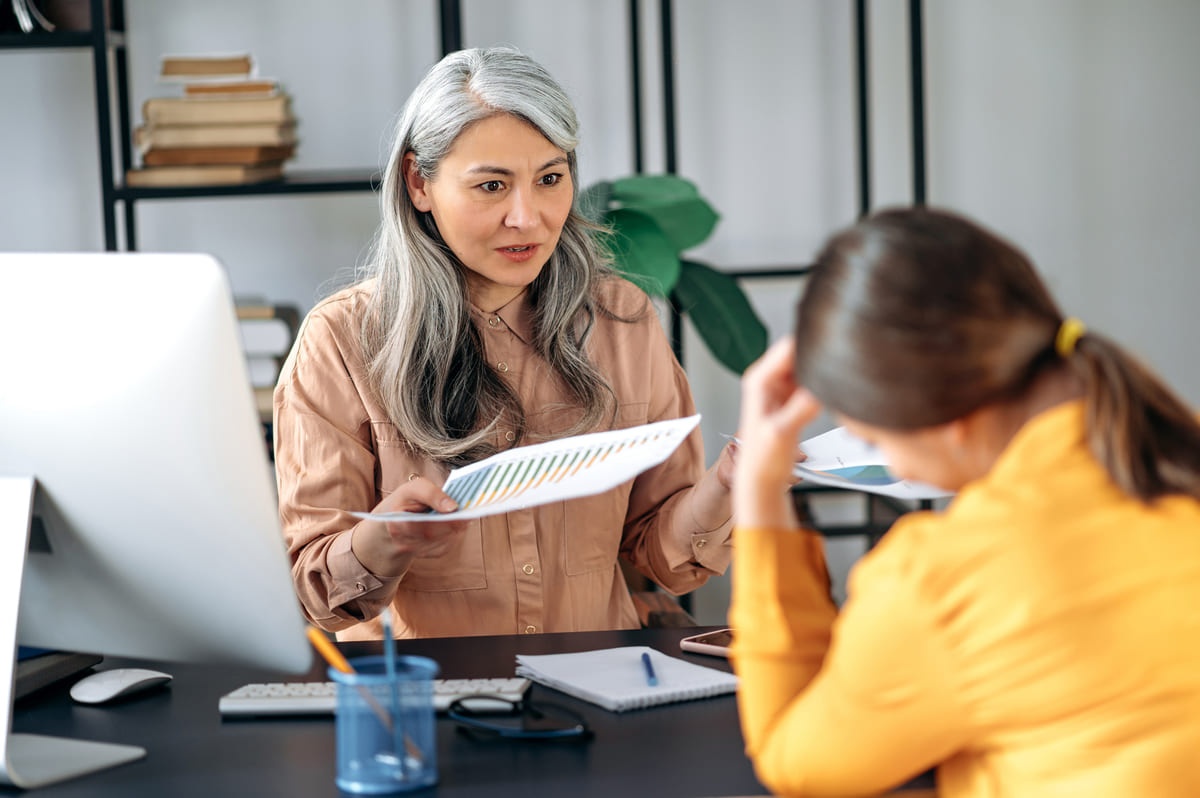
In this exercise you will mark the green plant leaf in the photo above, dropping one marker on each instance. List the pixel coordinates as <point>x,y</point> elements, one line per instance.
<point>721,314</point>
<point>686,223</point>
<point>639,190</point>
<point>643,252</point>
<point>673,202</point>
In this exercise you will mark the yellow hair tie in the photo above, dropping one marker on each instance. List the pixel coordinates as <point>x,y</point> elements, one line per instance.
<point>1069,333</point>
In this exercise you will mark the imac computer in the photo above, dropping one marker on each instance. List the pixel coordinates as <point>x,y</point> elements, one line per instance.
<point>138,515</point>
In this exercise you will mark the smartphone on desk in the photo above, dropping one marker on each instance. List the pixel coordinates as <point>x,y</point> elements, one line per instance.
<point>713,643</point>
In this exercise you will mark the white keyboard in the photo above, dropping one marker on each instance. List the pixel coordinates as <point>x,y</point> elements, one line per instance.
<point>319,698</point>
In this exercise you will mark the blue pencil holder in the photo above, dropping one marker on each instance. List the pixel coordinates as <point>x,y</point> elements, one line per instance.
<point>386,736</point>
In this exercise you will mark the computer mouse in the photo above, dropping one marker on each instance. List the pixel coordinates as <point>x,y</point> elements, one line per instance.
<point>103,686</point>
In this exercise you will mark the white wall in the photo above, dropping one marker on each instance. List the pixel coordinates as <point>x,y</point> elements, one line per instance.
<point>1070,127</point>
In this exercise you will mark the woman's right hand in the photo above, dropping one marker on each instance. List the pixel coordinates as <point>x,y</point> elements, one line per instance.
<point>386,549</point>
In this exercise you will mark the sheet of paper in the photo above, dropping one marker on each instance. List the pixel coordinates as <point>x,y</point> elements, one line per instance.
<point>839,459</point>
<point>554,471</point>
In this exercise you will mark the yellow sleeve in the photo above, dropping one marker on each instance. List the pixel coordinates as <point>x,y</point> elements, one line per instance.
<point>835,705</point>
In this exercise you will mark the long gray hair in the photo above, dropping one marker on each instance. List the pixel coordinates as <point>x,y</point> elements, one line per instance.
<point>424,356</point>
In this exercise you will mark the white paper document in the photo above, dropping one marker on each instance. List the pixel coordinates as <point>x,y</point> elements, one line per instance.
<point>554,471</point>
<point>839,459</point>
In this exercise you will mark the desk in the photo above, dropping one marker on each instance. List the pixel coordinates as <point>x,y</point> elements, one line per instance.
<point>688,749</point>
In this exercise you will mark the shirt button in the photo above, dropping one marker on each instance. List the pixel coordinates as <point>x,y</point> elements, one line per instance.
<point>493,321</point>
<point>527,568</point>
<point>701,542</point>
<point>360,586</point>
<point>530,630</point>
<point>502,367</point>
<point>411,477</point>
<point>510,436</point>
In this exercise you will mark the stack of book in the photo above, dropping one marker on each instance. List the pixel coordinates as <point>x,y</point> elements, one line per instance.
<point>225,126</point>
<point>267,331</point>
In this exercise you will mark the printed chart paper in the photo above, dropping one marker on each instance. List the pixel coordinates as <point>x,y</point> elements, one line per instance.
<point>839,459</point>
<point>554,471</point>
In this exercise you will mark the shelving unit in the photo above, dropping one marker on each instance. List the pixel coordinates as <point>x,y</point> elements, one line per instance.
<point>111,77</point>
<point>107,45</point>
<point>880,512</point>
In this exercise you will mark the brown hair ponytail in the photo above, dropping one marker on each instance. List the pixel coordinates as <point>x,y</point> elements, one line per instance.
<point>916,317</point>
<point>1145,436</point>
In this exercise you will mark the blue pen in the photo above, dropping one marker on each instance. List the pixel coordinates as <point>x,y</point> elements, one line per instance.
<point>389,663</point>
<point>651,679</point>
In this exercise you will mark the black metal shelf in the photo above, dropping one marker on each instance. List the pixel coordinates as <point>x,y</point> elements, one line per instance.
<point>61,40</point>
<point>107,45</point>
<point>314,181</point>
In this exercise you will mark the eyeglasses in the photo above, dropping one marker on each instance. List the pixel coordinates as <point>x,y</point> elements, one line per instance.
<point>522,720</point>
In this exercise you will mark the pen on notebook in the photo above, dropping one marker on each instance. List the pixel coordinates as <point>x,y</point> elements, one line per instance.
<point>651,678</point>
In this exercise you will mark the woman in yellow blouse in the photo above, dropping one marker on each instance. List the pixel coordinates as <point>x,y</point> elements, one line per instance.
<point>1040,636</point>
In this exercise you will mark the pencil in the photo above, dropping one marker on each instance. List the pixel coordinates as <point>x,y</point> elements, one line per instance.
<point>339,663</point>
<point>328,650</point>
<point>333,656</point>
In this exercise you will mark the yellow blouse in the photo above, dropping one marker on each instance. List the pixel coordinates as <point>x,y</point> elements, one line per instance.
<point>551,568</point>
<point>1040,637</point>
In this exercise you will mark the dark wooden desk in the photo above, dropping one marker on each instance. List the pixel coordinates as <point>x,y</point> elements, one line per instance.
<point>688,749</point>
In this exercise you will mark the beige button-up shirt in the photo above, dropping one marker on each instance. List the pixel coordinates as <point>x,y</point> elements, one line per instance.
<point>551,568</point>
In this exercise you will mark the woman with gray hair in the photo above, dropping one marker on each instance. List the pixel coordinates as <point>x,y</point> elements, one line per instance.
<point>488,318</point>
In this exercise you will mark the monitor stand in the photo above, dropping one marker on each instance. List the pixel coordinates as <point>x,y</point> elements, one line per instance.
<point>34,760</point>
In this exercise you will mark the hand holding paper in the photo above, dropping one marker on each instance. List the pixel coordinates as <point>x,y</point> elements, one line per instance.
<point>554,471</point>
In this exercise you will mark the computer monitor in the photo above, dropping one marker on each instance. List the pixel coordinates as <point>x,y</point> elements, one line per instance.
<point>138,513</point>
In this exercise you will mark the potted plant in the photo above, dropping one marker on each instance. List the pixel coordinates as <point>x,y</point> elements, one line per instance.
<point>653,220</point>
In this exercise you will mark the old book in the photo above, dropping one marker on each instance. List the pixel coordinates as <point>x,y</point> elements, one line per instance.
<point>226,174</point>
<point>267,330</point>
<point>264,400</point>
<point>236,88</point>
<point>251,310</point>
<point>217,110</point>
<point>206,65</point>
<point>264,134</point>
<point>207,156</point>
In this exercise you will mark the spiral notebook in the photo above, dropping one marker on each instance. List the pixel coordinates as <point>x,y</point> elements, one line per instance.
<point>616,679</point>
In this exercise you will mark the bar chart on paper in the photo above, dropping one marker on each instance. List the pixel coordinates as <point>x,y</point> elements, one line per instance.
<point>555,471</point>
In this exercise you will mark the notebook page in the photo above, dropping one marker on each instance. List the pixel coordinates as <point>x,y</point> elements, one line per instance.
<point>615,678</point>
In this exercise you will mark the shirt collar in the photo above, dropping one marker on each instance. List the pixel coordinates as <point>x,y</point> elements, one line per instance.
<point>517,316</point>
<point>1045,442</point>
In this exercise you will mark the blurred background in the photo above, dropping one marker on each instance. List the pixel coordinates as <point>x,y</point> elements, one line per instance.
<point>1069,127</point>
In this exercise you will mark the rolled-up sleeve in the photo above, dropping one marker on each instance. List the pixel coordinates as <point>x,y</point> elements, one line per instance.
<point>325,466</point>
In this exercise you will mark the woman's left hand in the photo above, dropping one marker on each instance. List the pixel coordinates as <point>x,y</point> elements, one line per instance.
<point>774,412</point>
<point>727,464</point>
